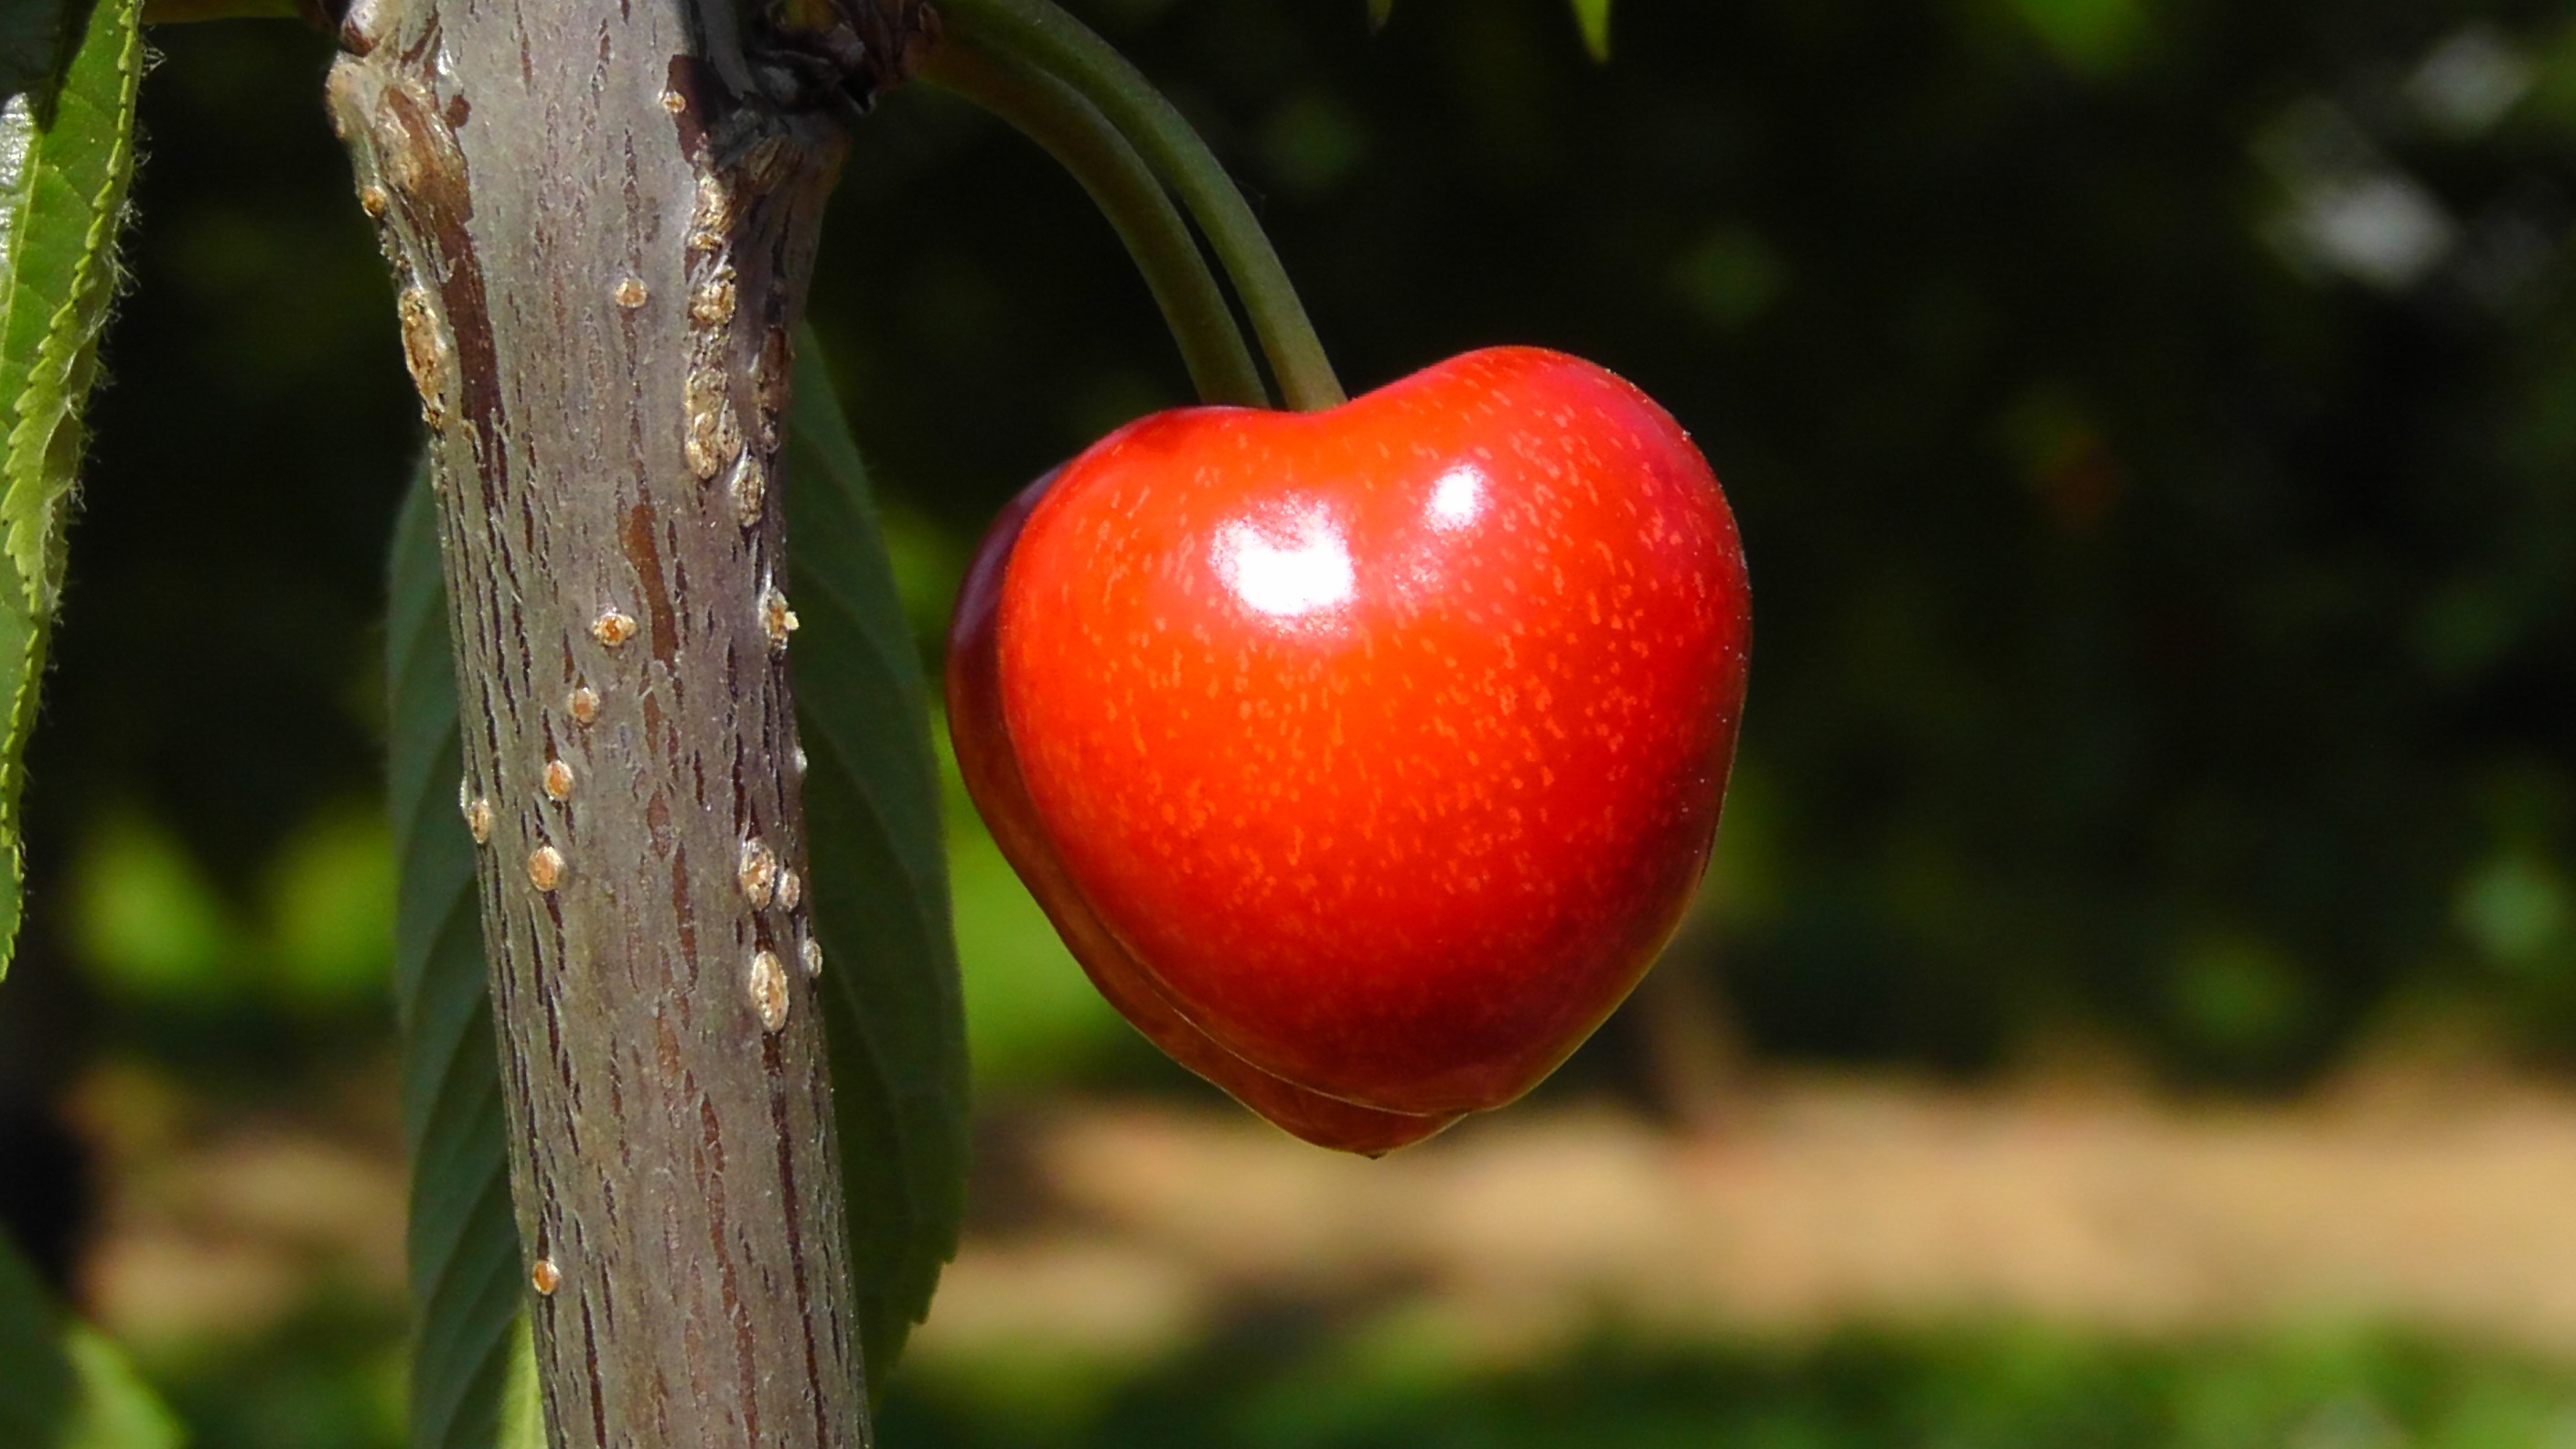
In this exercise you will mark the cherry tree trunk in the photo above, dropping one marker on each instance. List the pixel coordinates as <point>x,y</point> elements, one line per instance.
<point>601,216</point>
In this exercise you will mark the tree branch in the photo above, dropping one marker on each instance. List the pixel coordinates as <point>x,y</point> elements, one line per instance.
<point>601,217</point>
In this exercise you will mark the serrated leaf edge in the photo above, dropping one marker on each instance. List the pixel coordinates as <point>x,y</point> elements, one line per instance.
<point>41,460</point>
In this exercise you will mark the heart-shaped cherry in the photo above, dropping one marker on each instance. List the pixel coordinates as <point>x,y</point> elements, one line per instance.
<point>1364,758</point>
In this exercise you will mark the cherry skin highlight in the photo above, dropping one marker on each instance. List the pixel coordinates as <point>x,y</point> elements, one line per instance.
<point>1364,758</point>
<point>993,778</point>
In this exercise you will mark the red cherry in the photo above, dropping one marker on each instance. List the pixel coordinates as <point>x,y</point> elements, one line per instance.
<point>993,777</point>
<point>1364,758</point>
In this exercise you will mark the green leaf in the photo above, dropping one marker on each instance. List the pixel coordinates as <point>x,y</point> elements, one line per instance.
<point>1594,17</point>
<point>63,174</point>
<point>880,884</point>
<point>880,901</point>
<point>523,1403</point>
<point>464,1244</point>
<point>62,1384</point>
<point>1379,10</point>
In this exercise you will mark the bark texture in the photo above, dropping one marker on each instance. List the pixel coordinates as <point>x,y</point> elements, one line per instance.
<point>601,217</point>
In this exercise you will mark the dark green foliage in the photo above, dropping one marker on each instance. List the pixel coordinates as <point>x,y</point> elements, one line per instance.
<point>1592,15</point>
<point>37,38</point>
<point>36,1385</point>
<point>61,1385</point>
<point>327,1378</point>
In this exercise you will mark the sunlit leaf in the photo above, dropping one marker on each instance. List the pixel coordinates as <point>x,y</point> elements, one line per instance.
<point>880,887</point>
<point>330,906</point>
<point>63,1385</point>
<point>1594,17</point>
<point>523,1405</point>
<point>146,922</point>
<point>65,160</point>
<point>880,901</point>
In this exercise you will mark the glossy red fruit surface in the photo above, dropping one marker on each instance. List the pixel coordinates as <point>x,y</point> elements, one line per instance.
<point>1365,758</point>
<point>992,775</point>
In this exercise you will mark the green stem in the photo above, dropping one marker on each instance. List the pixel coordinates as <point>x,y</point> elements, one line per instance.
<point>1056,116</point>
<point>1044,35</point>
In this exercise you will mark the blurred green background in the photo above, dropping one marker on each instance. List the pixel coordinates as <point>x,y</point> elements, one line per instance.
<point>2153,428</point>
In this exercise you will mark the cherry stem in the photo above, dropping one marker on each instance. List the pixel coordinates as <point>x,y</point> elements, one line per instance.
<point>1056,116</point>
<point>1041,33</point>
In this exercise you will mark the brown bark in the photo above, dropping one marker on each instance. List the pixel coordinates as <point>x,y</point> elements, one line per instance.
<point>601,217</point>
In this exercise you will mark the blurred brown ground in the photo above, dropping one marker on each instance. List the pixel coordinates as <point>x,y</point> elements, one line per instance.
<point>1121,1231</point>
